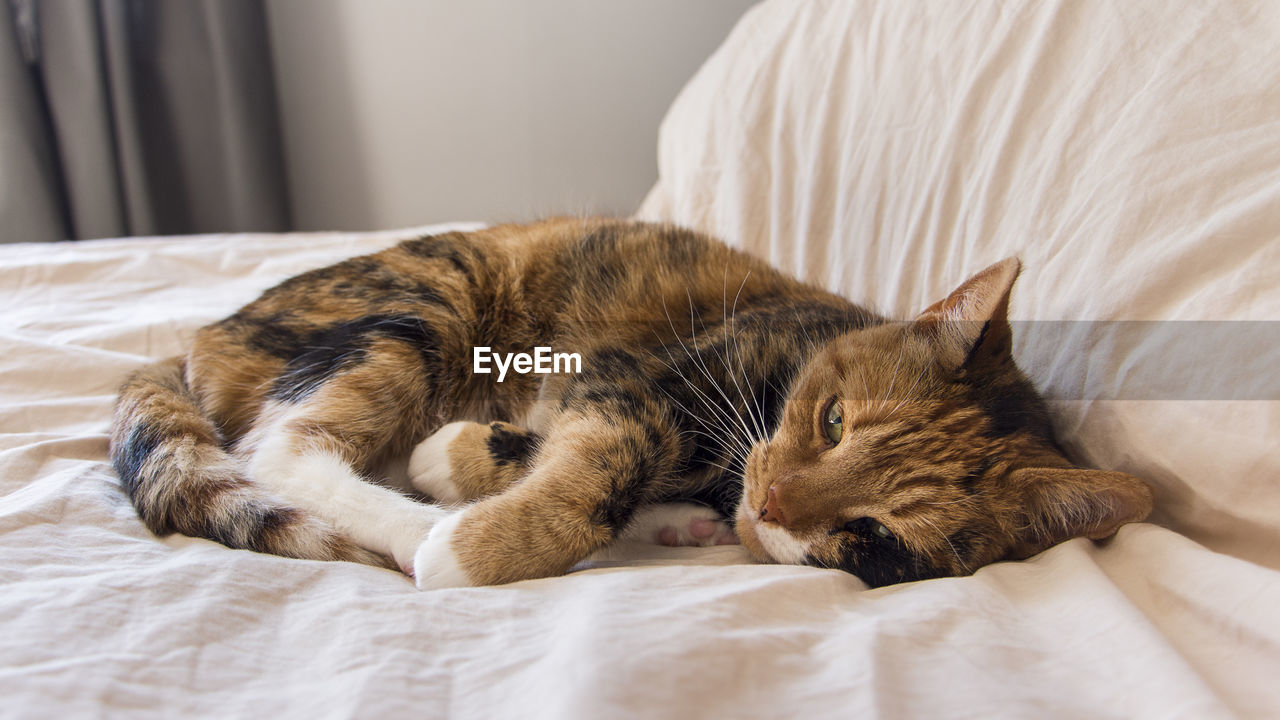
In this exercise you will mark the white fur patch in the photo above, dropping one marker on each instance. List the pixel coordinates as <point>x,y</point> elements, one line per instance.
<point>780,543</point>
<point>429,469</point>
<point>435,564</point>
<point>679,524</point>
<point>373,517</point>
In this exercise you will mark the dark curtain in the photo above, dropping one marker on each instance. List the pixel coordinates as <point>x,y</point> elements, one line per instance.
<point>137,117</point>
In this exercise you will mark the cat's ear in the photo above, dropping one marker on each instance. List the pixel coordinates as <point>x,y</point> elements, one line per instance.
<point>971,325</point>
<point>1061,503</point>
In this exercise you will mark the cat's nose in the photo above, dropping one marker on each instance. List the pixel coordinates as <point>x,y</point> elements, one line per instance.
<point>772,511</point>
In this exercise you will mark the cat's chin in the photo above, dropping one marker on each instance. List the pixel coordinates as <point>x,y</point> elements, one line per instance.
<point>745,528</point>
<point>766,541</point>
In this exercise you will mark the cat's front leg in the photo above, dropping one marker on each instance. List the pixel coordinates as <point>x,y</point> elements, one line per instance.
<point>590,477</point>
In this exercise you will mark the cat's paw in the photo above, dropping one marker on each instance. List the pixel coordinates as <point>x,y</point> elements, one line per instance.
<point>430,471</point>
<point>680,525</point>
<point>435,564</point>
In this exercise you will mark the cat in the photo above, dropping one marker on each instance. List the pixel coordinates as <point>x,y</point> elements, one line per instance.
<point>783,416</point>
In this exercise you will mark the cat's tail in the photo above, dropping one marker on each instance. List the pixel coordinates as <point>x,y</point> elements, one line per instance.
<point>170,459</point>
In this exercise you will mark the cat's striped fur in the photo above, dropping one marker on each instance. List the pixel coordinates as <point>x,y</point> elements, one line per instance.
<point>705,375</point>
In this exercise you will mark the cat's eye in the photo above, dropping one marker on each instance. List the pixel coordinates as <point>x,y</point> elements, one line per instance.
<point>880,531</point>
<point>833,422</point>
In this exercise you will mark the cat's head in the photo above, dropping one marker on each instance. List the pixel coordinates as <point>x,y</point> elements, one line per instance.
<point>918,449</point>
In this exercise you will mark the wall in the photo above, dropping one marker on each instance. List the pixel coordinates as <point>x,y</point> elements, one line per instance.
<point>401,112</point>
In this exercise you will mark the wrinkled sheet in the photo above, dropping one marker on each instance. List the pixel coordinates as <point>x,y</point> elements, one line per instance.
<point>98,617</point>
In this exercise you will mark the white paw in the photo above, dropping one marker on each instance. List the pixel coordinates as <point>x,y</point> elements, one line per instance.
<point>435,564</point>
<point>429,470</point>
<point>680,524</point>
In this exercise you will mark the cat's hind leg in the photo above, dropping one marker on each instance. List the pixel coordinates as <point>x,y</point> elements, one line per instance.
<point>679,524</point>
<point>467,460</point>
<point>313,475</point>
<point>312,452</point>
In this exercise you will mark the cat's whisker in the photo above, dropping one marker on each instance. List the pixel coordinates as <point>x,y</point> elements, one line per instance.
<point>718,438</point>
<point>947,540</point>
<point>724,419</point>
<point>702,366</point>
<point>733,377</point>
<point>711,438</point>
<point>722,436</point>
<point>722,358</point>
<point>813,347</point>
<point>706,372</point>
<point>733,331</point>
<point>730,332</point>
<point>961,501</point>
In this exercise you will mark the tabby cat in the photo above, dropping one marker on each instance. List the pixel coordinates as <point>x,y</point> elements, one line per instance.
<point>819,432</point>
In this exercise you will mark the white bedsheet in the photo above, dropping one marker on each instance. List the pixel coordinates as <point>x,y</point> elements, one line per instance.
<point>99,618</point>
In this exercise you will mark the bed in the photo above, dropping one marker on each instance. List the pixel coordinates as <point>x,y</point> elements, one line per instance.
<point>1129,153</point>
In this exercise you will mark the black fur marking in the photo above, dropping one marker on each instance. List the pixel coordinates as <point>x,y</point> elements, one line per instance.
<point>447,247</point>
<point>1010,408</point>
<point>773,394</point>
<point>597,258</point>
<point>880,561</point>
<point>626,492</point>
<point>251,528</point>
<point>381,285</point>
<point>363,278</point>
<point>328,351</point>
<point>963,542</point>
<point>969,483</point>
<point>704,453</point>
<point>129,457</point>
<point>683,249</point>
<point>507,447</point>
<point>815,322</point>
<point>630,469</point>
<point>612,364</point>
<point>618,402</point>
<point>275,335</point>
<point>616,381</point>
<point>600,242</point>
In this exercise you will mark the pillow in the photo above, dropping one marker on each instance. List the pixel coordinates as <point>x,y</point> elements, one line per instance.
<point>1128,153</point>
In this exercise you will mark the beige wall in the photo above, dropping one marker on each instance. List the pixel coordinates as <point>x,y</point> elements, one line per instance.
<point>401,112</point>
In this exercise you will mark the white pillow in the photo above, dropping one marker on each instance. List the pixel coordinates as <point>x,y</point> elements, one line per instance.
<point>1128,152</point>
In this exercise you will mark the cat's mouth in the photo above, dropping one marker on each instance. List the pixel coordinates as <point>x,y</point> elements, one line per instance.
<point>768,541</point>
<point>745,526</point>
